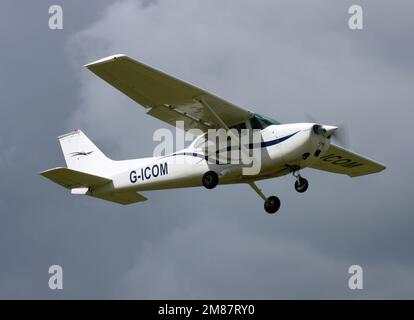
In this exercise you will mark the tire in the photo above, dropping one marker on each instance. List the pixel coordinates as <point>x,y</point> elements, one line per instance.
<point>272,204</point>
<point>301,185</point>
<point>210,180</point>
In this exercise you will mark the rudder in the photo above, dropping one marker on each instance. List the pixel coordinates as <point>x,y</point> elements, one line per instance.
<point>81,153</point>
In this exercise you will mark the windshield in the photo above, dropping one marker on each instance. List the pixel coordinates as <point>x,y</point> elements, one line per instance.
<point>260,122</point>
<point>257,122</point>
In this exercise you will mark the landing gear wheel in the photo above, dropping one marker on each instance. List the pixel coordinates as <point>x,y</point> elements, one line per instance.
<point>301,184</point>
<point>210,179</point>
<point>272,204</point>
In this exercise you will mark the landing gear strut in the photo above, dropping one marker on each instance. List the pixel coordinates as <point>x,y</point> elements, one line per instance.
<point>301,184</point>
<point>271,204</point>
<point>210,179</point>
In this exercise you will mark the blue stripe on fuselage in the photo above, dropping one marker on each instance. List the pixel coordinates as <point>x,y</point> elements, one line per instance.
<point>263,144</point>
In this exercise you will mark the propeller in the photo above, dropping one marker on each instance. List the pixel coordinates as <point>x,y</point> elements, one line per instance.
<point>340,135</point>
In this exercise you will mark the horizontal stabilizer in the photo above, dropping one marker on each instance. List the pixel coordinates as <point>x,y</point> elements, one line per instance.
<point>121,197</point>
<point>342,161</point>
<point>71,179</point>
<point>84,183</point>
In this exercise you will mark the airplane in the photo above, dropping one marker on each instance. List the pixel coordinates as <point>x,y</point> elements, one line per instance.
<point>283,148</point>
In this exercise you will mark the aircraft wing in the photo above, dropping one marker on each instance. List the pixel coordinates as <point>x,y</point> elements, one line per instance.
<point>165,97</point>
<point>342,161</point>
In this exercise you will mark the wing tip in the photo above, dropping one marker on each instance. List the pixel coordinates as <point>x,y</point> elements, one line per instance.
<point>44,173</point>
<point>106,59</point>
<point>379,169</point>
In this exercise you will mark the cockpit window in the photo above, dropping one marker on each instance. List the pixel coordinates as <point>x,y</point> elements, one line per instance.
<point>202,142</point>
<point>260,122</point>
<point>239,126</point>
<point>256,122</point>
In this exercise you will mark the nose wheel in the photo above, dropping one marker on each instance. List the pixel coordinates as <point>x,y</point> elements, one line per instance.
<point>301,184</point>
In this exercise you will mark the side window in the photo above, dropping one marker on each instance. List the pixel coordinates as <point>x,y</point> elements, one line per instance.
<point>261,122</point>
<point>255,123</point>
<point>266,123</point>
<point>200,143</point>
<point>239,126</point>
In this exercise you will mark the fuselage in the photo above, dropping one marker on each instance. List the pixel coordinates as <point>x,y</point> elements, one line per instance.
<point>283,148</point>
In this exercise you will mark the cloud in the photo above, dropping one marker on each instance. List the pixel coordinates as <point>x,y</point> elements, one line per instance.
<point>211,259</point>
<point>285,59</point>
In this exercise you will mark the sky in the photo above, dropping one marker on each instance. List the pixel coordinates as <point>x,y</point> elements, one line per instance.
<point>285,59</point>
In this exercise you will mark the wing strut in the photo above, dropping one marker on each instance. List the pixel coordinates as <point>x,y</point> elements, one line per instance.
<point>257,190</point>
<point>213,113</point>
<point>224,125</point>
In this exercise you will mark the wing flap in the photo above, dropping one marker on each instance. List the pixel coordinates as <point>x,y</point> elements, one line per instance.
<point>171,115</point>
<point>154,90</point>
<point>72,179</point>
<point>342,161</point>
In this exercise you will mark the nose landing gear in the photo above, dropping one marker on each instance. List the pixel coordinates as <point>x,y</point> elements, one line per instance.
<point>301,184</point>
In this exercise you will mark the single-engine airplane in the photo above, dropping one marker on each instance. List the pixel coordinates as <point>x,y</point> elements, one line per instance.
<point>283,148</point>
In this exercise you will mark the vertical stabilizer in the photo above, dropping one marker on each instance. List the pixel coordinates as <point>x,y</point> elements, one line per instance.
<point>81,154</point>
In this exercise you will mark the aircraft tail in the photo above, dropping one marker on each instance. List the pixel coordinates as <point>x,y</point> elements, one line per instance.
<point>87,170</point>
<point>81,154</point>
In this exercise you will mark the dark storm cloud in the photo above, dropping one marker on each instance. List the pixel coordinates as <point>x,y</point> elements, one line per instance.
<point>281,58</point>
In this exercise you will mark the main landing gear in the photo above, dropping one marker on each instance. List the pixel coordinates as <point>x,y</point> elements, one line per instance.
<point>301,184</point>
<point>210,179</point>
<point>271,204</point>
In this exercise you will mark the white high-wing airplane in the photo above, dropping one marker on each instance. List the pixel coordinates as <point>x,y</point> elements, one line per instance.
<point>284,148</point>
